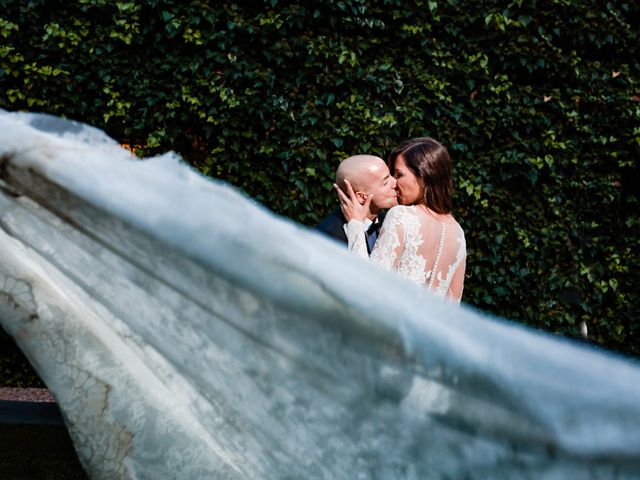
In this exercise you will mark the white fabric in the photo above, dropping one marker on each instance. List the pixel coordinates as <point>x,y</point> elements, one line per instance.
<point>425,248</point>
<point>365,226</point>
<point>181,345</point>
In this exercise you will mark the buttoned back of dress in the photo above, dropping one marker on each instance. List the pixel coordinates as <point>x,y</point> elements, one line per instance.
<point>426,248</point>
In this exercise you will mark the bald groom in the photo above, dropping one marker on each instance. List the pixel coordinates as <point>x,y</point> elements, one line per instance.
<point>368,175</point>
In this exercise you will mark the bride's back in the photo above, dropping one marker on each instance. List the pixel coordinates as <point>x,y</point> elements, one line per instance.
<point>427,248</point>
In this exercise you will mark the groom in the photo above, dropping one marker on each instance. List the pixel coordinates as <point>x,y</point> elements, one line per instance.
<point>368,175</point>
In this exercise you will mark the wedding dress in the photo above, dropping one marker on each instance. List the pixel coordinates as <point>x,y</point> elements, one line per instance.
<point>426,248</point>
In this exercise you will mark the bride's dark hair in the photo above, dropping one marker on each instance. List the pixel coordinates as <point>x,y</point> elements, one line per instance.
<point>428,159</point>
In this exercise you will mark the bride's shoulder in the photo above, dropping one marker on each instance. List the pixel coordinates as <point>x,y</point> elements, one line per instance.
<point>457,226</point>
<point>401,214</point>
<point>401,211</point>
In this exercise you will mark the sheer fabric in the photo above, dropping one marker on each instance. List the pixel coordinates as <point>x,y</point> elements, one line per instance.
<point>426,248</point>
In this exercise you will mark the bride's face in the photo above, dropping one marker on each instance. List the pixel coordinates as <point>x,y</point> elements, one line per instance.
<point>410,188</point>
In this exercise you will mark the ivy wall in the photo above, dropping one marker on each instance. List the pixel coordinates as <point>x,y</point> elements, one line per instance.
<point>538,102</point>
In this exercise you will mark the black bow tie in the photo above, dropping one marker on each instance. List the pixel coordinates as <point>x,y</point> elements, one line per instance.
<point>374,227</point>
<point>372,235</point>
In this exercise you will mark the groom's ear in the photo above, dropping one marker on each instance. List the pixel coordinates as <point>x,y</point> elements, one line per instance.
<point>361,196</point>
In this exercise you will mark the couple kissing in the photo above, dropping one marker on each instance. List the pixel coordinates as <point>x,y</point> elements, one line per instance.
<point>418,236</point>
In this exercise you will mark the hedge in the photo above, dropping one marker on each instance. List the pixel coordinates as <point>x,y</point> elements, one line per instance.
<point>538,102</point>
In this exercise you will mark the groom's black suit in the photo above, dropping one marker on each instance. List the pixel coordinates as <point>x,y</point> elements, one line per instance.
<point>333,226</point>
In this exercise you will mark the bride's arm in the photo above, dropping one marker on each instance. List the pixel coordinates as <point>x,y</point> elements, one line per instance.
<point>356,238</point>
<point>390,243</point>
<point>355,213</point>
<point>457,282</point>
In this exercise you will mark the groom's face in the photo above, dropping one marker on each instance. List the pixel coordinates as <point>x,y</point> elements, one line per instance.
<point>382,185</point>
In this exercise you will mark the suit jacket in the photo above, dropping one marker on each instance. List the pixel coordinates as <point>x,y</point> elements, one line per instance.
<point>333,225</point>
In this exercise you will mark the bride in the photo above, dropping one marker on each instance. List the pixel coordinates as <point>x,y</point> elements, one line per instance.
<point>419,238</point>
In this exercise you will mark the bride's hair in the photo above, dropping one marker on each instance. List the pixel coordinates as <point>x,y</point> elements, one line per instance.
<point>428,159</point>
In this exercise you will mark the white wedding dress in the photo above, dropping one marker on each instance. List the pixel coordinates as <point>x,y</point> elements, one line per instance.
<point>427,248</point>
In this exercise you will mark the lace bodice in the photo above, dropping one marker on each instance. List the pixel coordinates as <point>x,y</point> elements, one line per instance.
<point>427,249</point>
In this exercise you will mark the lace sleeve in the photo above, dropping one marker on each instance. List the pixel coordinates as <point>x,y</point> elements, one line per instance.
<point>390,243</point>
<point>451,276</point>
<point>356,238</point>
<point>457,282</point>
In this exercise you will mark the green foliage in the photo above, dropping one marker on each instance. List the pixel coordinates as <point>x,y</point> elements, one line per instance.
<point>539,103</point>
